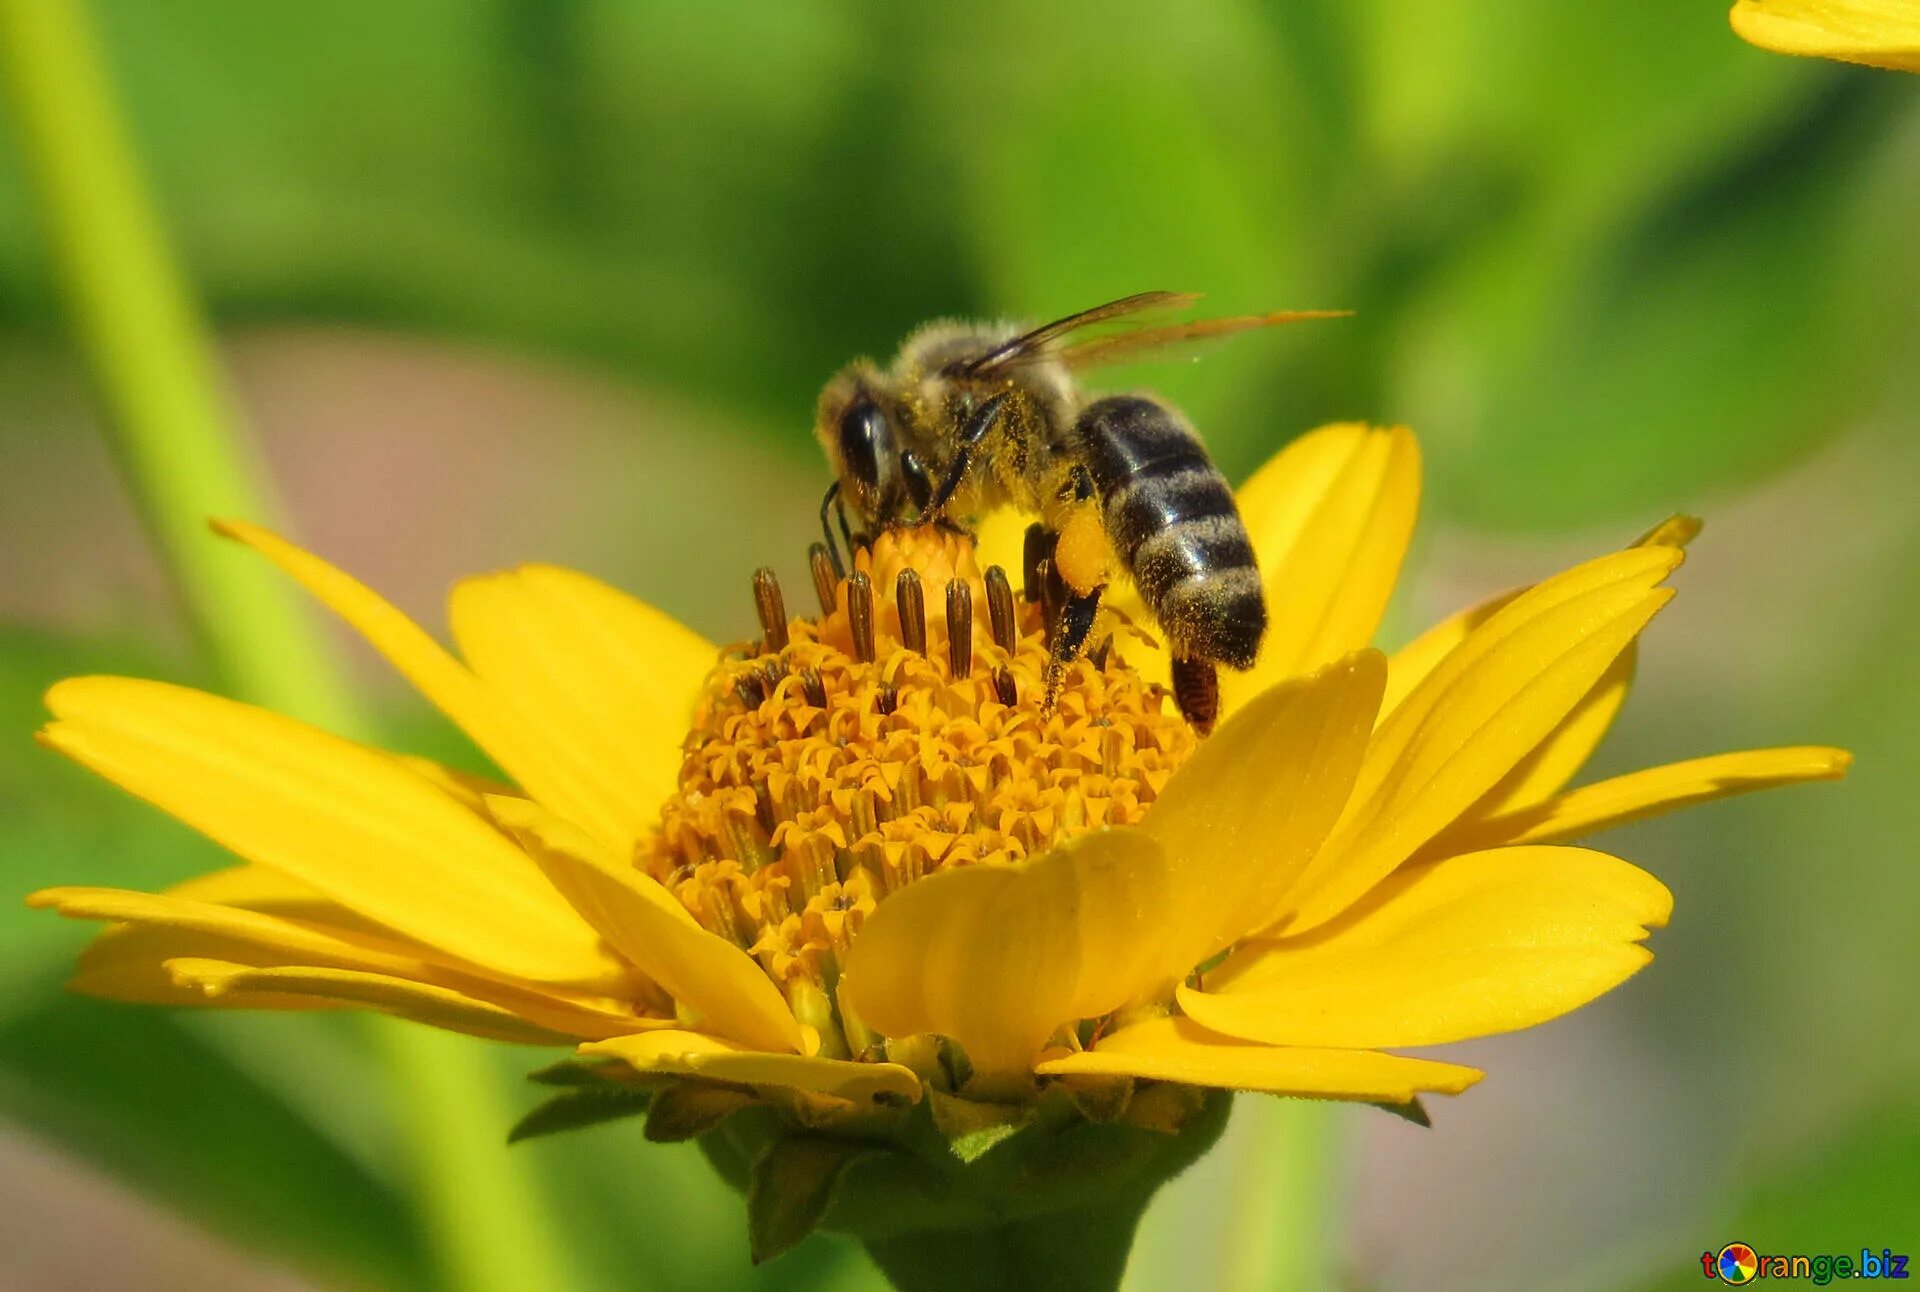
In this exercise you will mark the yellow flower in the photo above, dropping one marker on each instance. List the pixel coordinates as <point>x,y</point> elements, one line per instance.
<point>855,861</point>
<point>1879,33</point>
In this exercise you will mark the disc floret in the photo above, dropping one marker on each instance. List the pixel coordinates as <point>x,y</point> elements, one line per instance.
<point>896,734</point>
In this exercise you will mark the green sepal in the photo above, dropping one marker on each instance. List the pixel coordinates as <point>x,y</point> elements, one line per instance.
<point>955,1193</point>
<point>1412,1111</point>
<point>971,1127</point>
<point>687,1110</point>
<point>581,1106</point>
<point>578,1072</point>
<point>788,1190</point>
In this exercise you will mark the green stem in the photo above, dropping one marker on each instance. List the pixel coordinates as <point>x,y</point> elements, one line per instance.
<point>1073,1251</point>
<point>1289,1206</point>
<point>168,410</point>
<point>172,423</point>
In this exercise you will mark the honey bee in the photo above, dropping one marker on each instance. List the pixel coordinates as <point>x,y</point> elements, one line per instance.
<point>974,417</point>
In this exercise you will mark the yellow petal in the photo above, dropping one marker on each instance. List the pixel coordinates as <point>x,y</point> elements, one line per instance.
<point>1880,33</point>
<point>1246,812</point>
<point>159,928</point>
<point>468,790</point>
<point>1001,539</point>
<point>612,678</point>
<point>1564,750</point>
<point>1482,710</point>
<point>1330,517</point>
<point>259,888</point>
<point>1677,530</point>
<point>647,925</point>
<point>417,1002</point>
<point>692,1054</point>
<point>1642,794</point>
<point>1409,665</point>
<point>1178,1049</point>
<point>997,957</point>
<point>562,777</point>
<point>346,820</point>
<point>1467,946</point>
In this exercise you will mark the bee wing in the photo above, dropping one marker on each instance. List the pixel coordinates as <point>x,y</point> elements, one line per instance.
<point>1144,342</point>
<point>1045,341</point>
<point>1133,327</point>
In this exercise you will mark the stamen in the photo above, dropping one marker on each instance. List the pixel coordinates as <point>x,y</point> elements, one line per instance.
<point>860,615</point>
<point>814,687</point>
<point>1000,607</point>
<point>751,688</point>
<point>1098,655</point>
<point>888,698</point>
<point>960,627</point>
<point>1049,583</point>
<point>913,611</point>
<point>1004,688</point>
<point>771,607</point>
<point>824,579</point>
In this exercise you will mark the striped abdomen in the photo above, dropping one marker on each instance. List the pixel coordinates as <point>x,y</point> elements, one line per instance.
<point>1172,521</point>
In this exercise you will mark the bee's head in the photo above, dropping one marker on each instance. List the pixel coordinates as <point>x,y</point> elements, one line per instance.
<point>881,480</point>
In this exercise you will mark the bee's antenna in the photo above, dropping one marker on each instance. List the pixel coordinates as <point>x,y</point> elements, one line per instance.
<point>826,529</point>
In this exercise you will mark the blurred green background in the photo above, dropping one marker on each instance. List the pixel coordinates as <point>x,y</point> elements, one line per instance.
<point>559,279</point>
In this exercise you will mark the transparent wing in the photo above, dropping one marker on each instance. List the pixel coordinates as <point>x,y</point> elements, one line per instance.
<point>1146,342</point>
<point>1134,327</point>
<point>1142,307</point>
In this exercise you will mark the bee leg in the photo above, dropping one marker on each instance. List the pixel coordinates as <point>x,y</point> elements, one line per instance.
<point>826,530</point>
<point>1196,689</point>
<point>1070,633</point>
<point>975,429</point>
<point>847,533</point>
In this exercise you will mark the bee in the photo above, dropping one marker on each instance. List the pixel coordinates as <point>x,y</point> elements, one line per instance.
<point>973,417</point>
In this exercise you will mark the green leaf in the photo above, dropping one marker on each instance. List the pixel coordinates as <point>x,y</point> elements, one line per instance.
<point>789,1188</point>
<point>575,1109</point>
<point>127,1088</point>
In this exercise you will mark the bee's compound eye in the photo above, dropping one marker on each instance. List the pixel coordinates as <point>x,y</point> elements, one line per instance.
<point>864,438</point>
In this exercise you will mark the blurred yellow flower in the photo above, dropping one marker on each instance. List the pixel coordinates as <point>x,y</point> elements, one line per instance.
<point>878,868</point>
<point>1880,33</point>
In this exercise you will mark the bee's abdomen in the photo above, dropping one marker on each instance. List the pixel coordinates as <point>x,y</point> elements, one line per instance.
<point>1172,521</point>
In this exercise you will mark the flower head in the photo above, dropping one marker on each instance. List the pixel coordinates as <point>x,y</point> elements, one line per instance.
<point>860,864</point>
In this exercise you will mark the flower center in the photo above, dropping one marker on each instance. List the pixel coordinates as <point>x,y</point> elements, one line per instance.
<point>904,731</point>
